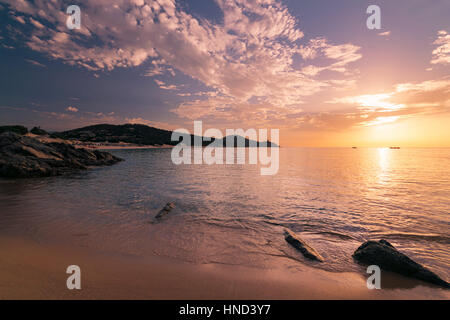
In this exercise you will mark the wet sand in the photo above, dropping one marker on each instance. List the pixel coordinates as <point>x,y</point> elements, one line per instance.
<point>30,270</point>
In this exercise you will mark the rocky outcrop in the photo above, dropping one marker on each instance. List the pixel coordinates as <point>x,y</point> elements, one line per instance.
<point>384,255</point>
<point>302,246</point>
<point>23,156</point>
<point>167,208</point>
<point>38,131</point>
<point>16,129</point>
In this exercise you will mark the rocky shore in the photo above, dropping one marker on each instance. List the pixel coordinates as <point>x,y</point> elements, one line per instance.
<point>23,156</point>
<point>384,255</point>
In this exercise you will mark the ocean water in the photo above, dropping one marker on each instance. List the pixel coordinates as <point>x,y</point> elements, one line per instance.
<point>334,198</point>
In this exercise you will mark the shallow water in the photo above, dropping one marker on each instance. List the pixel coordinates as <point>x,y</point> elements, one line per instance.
<point>230,214</point>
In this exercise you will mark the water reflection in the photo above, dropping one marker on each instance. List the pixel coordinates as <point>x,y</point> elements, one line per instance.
<point>383,158</point>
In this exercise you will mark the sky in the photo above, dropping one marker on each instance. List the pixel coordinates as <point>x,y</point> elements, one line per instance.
<point>312,69</point>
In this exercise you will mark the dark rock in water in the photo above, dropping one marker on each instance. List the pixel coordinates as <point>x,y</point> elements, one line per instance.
<point>302,246</point>
<point>23,156</point>
<point>167,208</point>
<point>384,255</point>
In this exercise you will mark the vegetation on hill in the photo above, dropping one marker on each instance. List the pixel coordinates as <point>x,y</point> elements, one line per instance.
<point>129,133</point>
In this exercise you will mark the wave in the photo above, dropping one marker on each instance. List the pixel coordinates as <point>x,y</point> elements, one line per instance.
<point>414,236</point>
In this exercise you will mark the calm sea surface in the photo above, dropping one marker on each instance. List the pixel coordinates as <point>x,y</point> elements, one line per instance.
<point>334,198</point>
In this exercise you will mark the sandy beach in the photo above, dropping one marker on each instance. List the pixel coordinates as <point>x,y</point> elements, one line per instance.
<point>35,271</point>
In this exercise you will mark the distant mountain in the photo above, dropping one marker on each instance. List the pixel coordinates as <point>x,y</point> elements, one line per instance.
<point>132,133</point>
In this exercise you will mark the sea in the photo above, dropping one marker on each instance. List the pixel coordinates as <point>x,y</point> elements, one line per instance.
<point>333,198</point>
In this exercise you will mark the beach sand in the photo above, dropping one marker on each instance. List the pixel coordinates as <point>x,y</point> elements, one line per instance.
<point>30,270</point>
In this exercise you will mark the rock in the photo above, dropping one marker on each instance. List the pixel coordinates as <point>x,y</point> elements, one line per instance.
<point>23,156</point>
<point>16,129</point>
<point>167,208</point>
<point>302,246</point>
<point>384,255</point>
<point>38,131</point>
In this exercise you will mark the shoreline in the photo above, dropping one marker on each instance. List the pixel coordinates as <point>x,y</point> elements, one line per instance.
<point>32,270</point>
<point>123,147</point>
<point>97,145</point>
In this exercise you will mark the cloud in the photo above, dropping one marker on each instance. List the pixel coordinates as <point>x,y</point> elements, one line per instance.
<point>159,67</point>
<point>37,24</point>
<point>340,55</point>
<point>71,109</point>
<point>248,56</point>
<point>35,63</point>
<point>441,55</point>
<point>19,19</point>
<point>407,99</point>
<point>163,85</point>
<point>385,34</point>
<point>425,86</point>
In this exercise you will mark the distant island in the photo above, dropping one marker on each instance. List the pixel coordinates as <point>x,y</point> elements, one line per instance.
<point>135,134</point>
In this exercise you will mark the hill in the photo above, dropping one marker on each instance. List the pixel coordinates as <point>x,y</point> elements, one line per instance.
<point>131,133</point>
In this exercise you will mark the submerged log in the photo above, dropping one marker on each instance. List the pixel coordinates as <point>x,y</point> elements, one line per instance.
<point>167,208</point>
<point>302,246</point>
<point>384,255</point>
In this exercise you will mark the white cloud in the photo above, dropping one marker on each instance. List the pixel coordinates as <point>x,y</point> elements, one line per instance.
<point>342,55</point>
<point>165,86</point>
<point>441,55</point>
<point>426,97</point>
<point>71,109</point>
<point>159,67</point>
